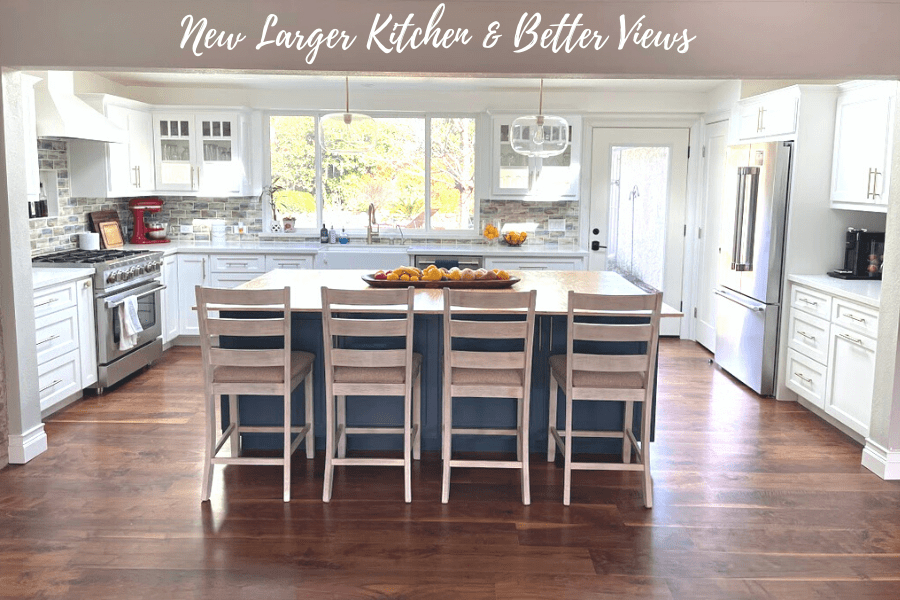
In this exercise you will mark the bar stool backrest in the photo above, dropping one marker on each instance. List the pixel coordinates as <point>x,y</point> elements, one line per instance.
<point>274,321</point>
<point>636,320</point>
<point>357,314</point>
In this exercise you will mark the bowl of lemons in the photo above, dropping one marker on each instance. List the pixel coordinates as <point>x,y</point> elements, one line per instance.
<point>515,238</point>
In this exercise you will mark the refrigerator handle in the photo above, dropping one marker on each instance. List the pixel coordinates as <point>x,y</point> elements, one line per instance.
<point>743,261</point>
<point>736,301</point>
<point>738,221</point>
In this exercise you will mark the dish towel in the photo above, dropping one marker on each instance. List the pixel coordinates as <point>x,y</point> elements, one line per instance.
<point>131,324</point>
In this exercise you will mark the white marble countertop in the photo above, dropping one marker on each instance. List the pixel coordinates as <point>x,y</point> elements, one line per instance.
<point>46,276</point>
<point>864,291</point>
<point>288,247</point>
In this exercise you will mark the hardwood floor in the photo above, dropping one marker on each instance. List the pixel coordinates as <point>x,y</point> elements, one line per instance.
<point>753,499</point>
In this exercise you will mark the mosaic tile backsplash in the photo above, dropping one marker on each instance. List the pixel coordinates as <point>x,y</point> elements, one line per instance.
<point>51,234</point>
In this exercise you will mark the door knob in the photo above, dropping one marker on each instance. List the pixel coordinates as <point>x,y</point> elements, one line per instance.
<point>595,245</point>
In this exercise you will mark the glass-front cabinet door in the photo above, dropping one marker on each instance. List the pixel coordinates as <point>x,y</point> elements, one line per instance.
<point>219,170</point>
<point>175,167</point>
<point>539,179</point>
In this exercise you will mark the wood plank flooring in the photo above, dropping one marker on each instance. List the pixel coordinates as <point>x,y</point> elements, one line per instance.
<point>753,499</point>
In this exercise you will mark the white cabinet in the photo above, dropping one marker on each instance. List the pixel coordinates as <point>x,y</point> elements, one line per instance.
<point>65,341</point>
<point>231,270</point>
<point>170,324</point>
<point>200,152</point>
<point>543,179</point>
<point>100,170</point>
<point>831,355</point>
<point>772,115</point>
<point>288,261</point>
<point>29,127</point>
<point>192,271</point>
<point>851,378</point>
<point>863,143</point>
<point>534,264</point>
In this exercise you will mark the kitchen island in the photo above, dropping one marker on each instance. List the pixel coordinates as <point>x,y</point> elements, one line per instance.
<point>550,338</point>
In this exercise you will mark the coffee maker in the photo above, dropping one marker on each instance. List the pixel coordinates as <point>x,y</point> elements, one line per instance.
<point>863,255</point>
<point>145,233</point>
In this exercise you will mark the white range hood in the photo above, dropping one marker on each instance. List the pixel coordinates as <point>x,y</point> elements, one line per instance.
<point>61,114</point>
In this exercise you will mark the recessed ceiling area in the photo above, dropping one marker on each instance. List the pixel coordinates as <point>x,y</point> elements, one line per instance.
<point>287,82</point>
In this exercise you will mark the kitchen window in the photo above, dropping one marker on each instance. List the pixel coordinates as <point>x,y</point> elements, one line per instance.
<point>421,176</point>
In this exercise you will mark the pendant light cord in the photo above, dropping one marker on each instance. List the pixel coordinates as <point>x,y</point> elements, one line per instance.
<point>347,94</point>
<point>541,101</point>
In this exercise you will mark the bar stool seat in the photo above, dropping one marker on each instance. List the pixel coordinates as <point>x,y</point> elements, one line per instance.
<point>488,377</point>
<point>377,374</point>
<point>301,365</point>
<point>595,379</point>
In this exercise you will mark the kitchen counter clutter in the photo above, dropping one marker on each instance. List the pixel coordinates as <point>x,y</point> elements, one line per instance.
<point>833,327</point>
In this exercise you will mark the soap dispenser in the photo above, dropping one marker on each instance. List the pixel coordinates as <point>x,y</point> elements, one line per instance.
<point>323,235</point>
<point>332,236</point>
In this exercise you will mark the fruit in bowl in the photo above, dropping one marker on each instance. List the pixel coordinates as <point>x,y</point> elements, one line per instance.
<point>515,238</point>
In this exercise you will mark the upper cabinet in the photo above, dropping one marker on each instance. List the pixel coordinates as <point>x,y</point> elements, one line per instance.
<point>200,152</point>
<point>863,144</point>
<point>768,116</point>
<point>104,170</point>
<point>542,179</point>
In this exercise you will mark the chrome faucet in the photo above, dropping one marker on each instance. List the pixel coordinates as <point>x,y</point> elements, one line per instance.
<point>402,239</point>
<point>369,223</point>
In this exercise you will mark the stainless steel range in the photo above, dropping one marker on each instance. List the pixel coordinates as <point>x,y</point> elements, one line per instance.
<point>119,274</point>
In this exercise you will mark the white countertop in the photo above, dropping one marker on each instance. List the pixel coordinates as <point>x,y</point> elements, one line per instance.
<point>864,291</point>
<point>288,247</point>
<point>46,276</point>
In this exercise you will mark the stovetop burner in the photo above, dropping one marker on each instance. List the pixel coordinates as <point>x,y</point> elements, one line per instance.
<point>86,256</point>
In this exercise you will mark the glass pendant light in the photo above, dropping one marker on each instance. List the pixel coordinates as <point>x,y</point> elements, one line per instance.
<point>540,135</point>
<point>346,132</point>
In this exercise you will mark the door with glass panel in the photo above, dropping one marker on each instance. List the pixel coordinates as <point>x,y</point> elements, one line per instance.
<point>637,214</point>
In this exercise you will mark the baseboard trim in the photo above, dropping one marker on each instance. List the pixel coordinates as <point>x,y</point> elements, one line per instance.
<point>881,461</point>
<point>22,448</point>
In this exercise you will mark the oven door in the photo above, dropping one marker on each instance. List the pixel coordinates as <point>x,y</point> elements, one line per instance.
<point>109,326</point>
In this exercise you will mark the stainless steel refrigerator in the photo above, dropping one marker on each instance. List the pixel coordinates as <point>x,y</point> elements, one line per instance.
<point>751,259</point>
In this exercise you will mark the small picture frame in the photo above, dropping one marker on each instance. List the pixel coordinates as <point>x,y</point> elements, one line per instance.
<point>111,235</point>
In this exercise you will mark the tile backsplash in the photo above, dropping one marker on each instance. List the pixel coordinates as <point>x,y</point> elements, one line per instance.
<point>51,234</point>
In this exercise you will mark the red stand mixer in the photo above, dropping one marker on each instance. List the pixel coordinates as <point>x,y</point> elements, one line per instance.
<point>145,233</point>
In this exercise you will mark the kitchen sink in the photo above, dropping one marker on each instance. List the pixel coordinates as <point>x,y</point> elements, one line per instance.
<point>362,257</point>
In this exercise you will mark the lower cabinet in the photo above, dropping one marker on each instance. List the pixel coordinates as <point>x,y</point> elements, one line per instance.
<point>170,324</point>
<point>831,362</point>
<point>192,271</point>
<point>65,341</point>
<point>534,264</point>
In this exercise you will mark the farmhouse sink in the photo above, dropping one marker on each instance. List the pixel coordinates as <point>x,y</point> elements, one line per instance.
<point>361,256</point>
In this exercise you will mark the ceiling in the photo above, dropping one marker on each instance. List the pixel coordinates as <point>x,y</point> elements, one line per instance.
<point>287,82</point>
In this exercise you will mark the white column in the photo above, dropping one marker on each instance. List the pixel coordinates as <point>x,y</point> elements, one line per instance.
<point>26,431</point>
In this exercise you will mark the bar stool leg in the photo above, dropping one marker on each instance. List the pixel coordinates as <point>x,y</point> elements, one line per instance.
<point>567,470</point>
<point>551,421</point>
<point>627,425</point>
<point>310,418</point>
<point>287,445</point>
<point>417,417</point>
<point>407,445</point>
<point>236,419</point>
<point>519,430</point>
<point>446,445</point>
<point>210,445</point>
<point>342,426</point>
<point>523,449</point>
<point>645,455</point>
<point>329,443</point>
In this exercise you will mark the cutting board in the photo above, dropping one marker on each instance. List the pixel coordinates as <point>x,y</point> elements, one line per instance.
<point>102,216</point>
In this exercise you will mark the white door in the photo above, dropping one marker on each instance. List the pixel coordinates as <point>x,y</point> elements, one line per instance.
<point>638,186</point>
<point>715,144</point>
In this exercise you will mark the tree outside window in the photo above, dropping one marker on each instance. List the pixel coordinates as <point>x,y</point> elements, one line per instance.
<point>395,178</point>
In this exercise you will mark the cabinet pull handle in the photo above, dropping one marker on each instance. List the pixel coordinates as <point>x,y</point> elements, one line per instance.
<point>49,339</point>
<point>851,339</point>
<point>46,302</point>
<point>855,318</point>
<point>87,284</point>
<point>806,335</point>
<point>808,302</point>
<point>239,264</point>
<point>869,187</point>
<point>800,375</point>
<point>47,387</point>
<point>875,175</point>
<point>139,175</point>
<point>135,171</point>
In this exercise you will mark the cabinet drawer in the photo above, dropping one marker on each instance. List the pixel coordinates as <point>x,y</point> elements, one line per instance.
<point>808,335</point>
<point>526,264</point>
<point>231,280</point>
<point>855,317</point>
<point>56,334</point>
<point>811,301</point>
<point>54,299</point>
<point>59,378</point>
<point>245,263</point>
<point>806,377</point>
<point>288,262</point>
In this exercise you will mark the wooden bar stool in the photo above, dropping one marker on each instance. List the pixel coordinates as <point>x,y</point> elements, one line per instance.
<point>593,376</point>
<point>272,372</point>
<point>356,318</point>
<point>479,320</point>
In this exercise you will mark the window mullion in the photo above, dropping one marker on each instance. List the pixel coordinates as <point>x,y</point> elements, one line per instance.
<point>428,173</point>
<point>320,184</point>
